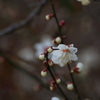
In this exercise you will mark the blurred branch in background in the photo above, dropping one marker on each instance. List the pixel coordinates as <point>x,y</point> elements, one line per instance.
<point>15,63</point>
<point>18,67</point>
<point>25,22</point>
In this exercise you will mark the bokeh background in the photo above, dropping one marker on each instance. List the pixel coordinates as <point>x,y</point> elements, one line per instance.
<point>24,34</point>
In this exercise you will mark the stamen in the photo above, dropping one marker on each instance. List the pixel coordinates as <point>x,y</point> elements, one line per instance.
<point>66,50</point>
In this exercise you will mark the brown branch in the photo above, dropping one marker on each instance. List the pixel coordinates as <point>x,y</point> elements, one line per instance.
<point>12,28</point>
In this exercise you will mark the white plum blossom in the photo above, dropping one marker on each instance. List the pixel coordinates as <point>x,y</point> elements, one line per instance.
<point>63,54</point>
<point>26,54</point>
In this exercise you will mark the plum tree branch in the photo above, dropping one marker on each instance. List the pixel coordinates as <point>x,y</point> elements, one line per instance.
<point>25,22</point>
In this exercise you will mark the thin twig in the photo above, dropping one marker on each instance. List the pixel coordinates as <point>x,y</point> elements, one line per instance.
<point>72,77</point>
<point>18,67</point>
<point>60,33</point>
<point>54,12</point>
<point>53,77</point>
<point>57,84</point>
<point>12,28</point>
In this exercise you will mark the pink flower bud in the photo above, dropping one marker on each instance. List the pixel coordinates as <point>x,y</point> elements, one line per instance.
<point>52,83</point>
<point>45,63</point>
<point>63,37</point>
<point>62,23</point>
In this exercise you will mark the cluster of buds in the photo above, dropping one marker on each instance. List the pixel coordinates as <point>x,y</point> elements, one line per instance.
<point>53,85</point>
<point>44,72</point>
<point>78,69</point>
<point>47,62</point>
<point>70,86</point>
<point>85,2</point>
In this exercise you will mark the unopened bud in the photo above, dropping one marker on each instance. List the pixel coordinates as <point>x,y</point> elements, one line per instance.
<point>58,80</point>
<point>72,71</point>
<point>63,37</point>
<point>58,40</point>
<point>70,86</point>
<point>52,83</point>
<point>49,16</point>
<point>54,42</point>
<point>50,49</point>
<point>70,45</point>
<point>44,72</point>
<point>42,56</point>
<point>52,88</point>
<point>45,63</point>
<point>62,23</point>
<point>78,68</point>
<point>50,62</point>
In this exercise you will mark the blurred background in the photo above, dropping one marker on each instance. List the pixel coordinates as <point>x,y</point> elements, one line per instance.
<point>24,34</point>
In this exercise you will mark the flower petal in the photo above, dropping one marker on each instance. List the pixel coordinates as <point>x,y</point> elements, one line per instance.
<point>74,57</point>
<point>62,47</point>
<point>73,49</point>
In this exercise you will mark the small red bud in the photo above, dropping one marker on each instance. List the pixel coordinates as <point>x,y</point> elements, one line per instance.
<point>45,63</point>
<point>62,23</point>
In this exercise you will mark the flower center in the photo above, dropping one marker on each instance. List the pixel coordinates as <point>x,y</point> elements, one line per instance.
<point>66,50</point>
